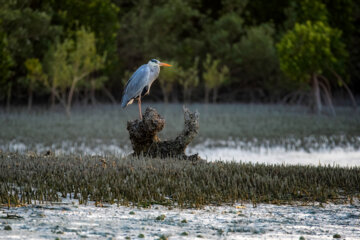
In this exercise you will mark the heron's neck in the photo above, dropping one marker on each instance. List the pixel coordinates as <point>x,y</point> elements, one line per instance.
<point>155,70</point>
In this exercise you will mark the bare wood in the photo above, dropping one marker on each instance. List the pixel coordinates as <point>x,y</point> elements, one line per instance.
<point>144,139</point>
<point>326,81</point>
<point>316,93</point>
<point>346,87</point>
<point>328,97</point>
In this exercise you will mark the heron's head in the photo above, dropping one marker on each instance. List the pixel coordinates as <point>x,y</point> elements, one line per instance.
<point>155,62</point>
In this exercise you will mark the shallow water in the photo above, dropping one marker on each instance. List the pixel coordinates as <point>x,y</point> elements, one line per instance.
<point>290,152</point>
<point>69,220</point>
<point>345,157</point>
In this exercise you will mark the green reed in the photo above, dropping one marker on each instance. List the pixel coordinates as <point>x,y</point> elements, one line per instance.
<point>143,181</point>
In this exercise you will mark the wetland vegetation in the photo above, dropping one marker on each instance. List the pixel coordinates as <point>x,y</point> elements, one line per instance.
<point>270,125</point>
<point>30,175</point>
<point>143,181</point>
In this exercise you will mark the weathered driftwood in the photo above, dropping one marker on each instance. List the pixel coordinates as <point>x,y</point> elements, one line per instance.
<point>144,139</point>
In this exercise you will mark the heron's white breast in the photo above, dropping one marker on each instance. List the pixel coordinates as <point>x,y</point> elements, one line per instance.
<point>154,73</point>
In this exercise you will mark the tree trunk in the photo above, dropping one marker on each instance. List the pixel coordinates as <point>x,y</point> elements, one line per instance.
<point>92,97</point>
<point>215,94</point>
<point>68,110</point>
<point>316,94</point>
<point>207,93</point>
<point>174,95</point>
<point>70,96</point>
<point>184,94</point>
<point>52,97</point>
<point>166,96</point>
<point>8,97</point>
<point>30,97</point>
<point>187,94</point>
<point>145,142</point>
<point>110,96</point>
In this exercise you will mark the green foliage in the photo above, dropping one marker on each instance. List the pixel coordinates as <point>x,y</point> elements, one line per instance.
<point>213,75</point>
<point>310,48</point>
<point>6,61</point>
<point>70,62</point>
<point>35,71</point>
<point>339,14</point>
<point>100,17</point>
<point>74,60</point>
<point>157,30</point>
<point>189,79</point>
<point>259,66</point>
<point>223,36</point>
<point>28,30</point>
<point>313,11</point>
<point>84,58</point>
<point>56,65</point>
<point>130,33</point>
<point>168,77</point>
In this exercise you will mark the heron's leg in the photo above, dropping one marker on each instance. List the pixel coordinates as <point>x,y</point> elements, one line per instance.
<point>139,104</point>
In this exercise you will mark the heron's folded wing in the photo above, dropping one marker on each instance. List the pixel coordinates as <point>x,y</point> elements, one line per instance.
<point>136,83</point>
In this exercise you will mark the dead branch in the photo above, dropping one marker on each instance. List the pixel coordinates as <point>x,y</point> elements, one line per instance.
<point>144,139</point>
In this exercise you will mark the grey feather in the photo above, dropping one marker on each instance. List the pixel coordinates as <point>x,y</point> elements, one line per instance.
<point>144,76</point>
<point>136,84</point>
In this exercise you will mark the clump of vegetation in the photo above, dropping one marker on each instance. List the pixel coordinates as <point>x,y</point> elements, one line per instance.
<point>7,228</point>
<point>337,235</point>
<point>163,237</point>
<point>28,178</point>
<point>161,217</point>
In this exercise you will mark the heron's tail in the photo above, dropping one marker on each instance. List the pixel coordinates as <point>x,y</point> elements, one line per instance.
<point>124,101</point>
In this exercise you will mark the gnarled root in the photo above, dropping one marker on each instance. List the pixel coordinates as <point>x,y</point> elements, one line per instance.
<point>144,139</point>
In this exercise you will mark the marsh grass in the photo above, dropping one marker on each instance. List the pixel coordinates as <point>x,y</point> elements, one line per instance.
<point>259,124</point>
<point>142,182</point>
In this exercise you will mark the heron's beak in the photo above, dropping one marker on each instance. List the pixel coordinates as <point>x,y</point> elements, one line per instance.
<point>165,64</point>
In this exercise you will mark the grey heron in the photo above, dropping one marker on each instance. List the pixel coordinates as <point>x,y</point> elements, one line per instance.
<point>140,82</point>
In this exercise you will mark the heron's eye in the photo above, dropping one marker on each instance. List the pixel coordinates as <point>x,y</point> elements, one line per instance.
<point>154,60</point>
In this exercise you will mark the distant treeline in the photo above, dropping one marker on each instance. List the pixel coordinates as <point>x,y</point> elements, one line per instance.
<point>56,52</point>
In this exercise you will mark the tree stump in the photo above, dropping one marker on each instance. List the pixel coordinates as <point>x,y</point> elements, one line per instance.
<point>144,139</point>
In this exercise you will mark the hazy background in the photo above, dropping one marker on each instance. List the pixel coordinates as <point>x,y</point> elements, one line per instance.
<point>83,51</point>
